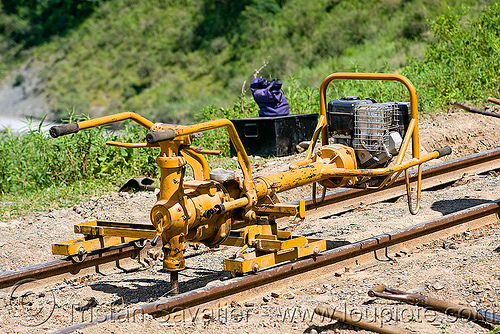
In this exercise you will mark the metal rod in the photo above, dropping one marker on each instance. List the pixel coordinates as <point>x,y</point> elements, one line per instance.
<point>492,99</point>
<point>207,294</point>
<point>174,282</point>
<point>44,270</point>
<point>474,110</point>
<point>374,326</point>
<point>339,195</point>
<point>373,76</point>
<point>243,160</point>
<point>437,304</point>
<point>62,266</point>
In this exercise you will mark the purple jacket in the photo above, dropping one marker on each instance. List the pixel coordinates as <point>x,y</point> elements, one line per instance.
<point>269,97</point>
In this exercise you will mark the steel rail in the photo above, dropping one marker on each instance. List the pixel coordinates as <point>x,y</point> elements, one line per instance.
<point>230,287</point>
<point>66,265</point>
<point>332,199</point>
<point>343,199</point>
<point>428,172</point>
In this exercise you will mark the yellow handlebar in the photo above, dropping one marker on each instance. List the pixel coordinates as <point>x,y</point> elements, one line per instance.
<point>66,129</point>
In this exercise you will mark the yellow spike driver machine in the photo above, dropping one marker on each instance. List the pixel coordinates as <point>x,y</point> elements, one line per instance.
<point>205,209</point>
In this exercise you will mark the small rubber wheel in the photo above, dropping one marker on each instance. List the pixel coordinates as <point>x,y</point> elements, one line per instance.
<point>141,243</point>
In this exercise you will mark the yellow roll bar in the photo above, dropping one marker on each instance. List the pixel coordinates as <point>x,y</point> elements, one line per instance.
<point>322,126</point>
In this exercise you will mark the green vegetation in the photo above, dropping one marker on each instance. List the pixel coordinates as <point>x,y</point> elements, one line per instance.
<point>14,204</point>
<point>301,101</point>
<point>496,330</point>
<point>185,61</point>
<point>462,62</point>
<point>35,170</point>
<point>33,161</point>
<point>170,59</point>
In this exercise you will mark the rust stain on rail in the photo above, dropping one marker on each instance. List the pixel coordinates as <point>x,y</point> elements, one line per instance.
<point>62,266</point>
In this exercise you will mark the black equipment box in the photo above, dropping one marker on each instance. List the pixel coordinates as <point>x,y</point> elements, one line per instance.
<point>274,136</point>
<point>404,117</point>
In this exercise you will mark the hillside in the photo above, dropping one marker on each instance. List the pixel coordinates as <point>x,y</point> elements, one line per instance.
<point>171,59</point>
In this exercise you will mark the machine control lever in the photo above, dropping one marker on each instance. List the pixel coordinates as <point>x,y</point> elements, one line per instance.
<point>446,150</point>
<point>158,136</point>
<point>155,240</point>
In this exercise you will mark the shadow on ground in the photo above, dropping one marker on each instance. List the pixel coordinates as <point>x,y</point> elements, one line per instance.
<point>148,289</point>
<point>450,206</point>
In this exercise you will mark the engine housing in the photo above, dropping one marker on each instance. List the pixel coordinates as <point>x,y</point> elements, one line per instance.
<point>375,130</point>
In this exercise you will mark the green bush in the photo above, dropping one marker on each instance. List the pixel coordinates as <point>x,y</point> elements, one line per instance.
<point>171,74</point>
<point>463,62</point>
<point>18,80</point>
<point>168,60</point>
<point>35,161</point>
<point>218,139</point>
<point>302,100</point>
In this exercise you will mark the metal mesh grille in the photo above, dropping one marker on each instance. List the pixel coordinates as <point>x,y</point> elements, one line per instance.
<point>397,119</point>
<point>372,125</point>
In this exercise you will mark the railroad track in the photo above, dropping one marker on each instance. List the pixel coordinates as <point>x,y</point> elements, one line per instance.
<point>336,201</point>
<point>325,263</point>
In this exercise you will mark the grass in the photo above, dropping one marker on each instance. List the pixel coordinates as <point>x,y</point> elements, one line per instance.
<point>34,161</point>
<point>495,330</point>
<point>169,60</point>
<point>39,172</point>
<point>15,204</point>
<point>19,204</point>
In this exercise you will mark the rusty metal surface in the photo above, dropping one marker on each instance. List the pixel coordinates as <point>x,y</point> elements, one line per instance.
<point>494,100</point>
<point>374,326</point>
<point>474,110</point>
<point>53,268</point>
<point>441,305</point>
<point>203,295</point>
<point>66,265</point>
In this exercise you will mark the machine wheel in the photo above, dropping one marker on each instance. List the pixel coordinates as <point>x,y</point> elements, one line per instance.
<point>80,257</point>
<point>255,268</point>
<point>236,274</point>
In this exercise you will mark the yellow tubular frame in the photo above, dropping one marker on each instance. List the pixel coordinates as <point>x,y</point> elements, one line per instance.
<point>201,170</point>
<point>411,134</point>
<point>198,161</point>
<point>115,118</point>
<point>194,156</point>
<point>191,154</point>
<point>322,126</point>
<point>242,156</point>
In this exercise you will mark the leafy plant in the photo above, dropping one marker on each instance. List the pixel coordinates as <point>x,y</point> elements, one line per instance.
<point>33,161</point>
<point>463,61</point>
<point>495,330</point>
<point>180,62</point>
<point>168,60</point>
